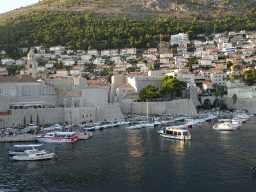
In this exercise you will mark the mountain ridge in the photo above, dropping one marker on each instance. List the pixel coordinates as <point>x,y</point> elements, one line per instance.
<point>141,9</point>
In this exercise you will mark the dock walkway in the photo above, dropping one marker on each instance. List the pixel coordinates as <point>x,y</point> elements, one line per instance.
<point>18,138</point>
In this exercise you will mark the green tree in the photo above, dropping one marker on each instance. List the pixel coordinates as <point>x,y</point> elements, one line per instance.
<point>234,97</point>
<point>221,90</point>
<point>149,92</point>
<point>172,86</point>
<point>85,76</point>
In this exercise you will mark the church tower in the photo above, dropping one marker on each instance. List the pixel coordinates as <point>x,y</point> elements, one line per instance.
<point>32,64</point>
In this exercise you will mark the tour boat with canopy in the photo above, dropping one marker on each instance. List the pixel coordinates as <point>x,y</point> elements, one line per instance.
<point>175,133</point>
<point>58,137</point>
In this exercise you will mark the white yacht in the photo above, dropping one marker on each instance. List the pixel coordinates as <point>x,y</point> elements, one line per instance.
<point>20,149</point>
<point>225,125</point>
<point>32,154</point>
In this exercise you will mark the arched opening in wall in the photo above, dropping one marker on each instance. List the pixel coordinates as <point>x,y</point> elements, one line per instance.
<point>207,104</point>
<point>24,122</point>
<point>31,119</point>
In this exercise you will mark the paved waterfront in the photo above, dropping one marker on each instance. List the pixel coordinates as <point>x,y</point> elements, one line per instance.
<point>18,138</point>
<point>118,159</point>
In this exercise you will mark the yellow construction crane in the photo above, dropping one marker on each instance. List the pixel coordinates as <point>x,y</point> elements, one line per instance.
<point>160,41</point>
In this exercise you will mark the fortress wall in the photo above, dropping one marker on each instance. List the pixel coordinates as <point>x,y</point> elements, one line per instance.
<point>76,115</point>
<point>37,116</point>
<point>4,104</point>
<point>49,100</point>
<point>182,106</point>
<point>109,113</point>
<point>241,104</point>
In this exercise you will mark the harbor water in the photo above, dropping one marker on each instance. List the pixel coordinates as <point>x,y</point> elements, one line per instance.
<point>119,159</point>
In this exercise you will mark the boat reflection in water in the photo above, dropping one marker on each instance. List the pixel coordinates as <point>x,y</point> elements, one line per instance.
<point>134,164</point>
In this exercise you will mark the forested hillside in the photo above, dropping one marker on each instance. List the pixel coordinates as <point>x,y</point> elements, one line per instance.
<point>88,24</point>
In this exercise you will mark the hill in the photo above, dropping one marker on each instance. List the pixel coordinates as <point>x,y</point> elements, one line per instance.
<point>144,9</point>
<point>103,24</point>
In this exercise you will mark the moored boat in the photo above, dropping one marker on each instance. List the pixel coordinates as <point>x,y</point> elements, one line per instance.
<point>175,133</point>
<point>58,137</point>
<point>20,149</point>
<point>32,154</point>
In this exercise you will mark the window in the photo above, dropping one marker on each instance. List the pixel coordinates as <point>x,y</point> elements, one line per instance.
<point>1,91</point>
<point>13,92</point>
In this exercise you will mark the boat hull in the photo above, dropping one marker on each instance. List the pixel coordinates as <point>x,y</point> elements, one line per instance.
<point>176,137</point>
<point>56,139</point>
<point>33,158</point>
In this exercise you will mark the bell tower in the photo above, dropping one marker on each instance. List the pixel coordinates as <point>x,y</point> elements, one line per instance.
<point>32,64</point>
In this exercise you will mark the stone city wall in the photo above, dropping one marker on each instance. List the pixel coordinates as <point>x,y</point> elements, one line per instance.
<point>241,104</point>
<point>79,114</point>
<point>110,112</point>
<point>22,117</point>
<point>49,100</point>
<point>182,106</point>
<point>4,103</point>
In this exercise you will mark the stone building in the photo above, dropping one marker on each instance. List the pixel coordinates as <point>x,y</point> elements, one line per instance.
<point>25,100</point>
<point>32,64</point>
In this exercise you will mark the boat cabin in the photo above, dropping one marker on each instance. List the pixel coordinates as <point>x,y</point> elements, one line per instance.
<point>177,132</point>
<point>61,134</point>
<point>225,120</point>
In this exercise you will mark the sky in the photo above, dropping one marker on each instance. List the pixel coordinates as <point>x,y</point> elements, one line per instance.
<point>9,5</point>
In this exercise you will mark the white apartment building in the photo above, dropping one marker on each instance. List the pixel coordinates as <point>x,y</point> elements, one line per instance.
<point>164,60</point>
<point>93,52</point>
<point>181,37</point>
<point>219,78</point>
<point>86,57</point>
<point>99,61</point>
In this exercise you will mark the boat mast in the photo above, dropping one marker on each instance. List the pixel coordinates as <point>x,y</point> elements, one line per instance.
<point>20,118</point>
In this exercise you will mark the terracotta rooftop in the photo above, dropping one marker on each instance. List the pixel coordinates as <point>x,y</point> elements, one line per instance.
<point>132,97</point>
<point>126,85</point>
<point>16,79</point>
<point>4,113</point>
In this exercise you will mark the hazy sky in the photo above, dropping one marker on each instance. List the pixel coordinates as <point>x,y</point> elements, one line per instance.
<point>8,5</point>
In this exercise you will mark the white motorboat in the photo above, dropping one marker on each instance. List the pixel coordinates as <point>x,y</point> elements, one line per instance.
<point>32,126</point>
<point>156,123</point>
<point>20,149</point>
<point>53,127</point>
<point>33,154</point>
<point>175,133</point>
<point>164,122</point>
<point>148,125</point>
<point>225,125</point>
<point>69,126</point>
<point>86,124</point>
<point>138,126</point>
<point>58,137</point>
